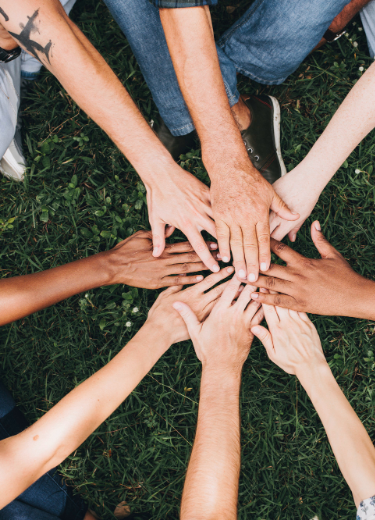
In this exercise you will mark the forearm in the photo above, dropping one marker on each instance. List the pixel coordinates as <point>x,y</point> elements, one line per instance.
<point>27,456</point>
<point>349,440</point>
<point>211,486</point>
<point>89,80</point>
<point>354,119</point>
<point>23,295</point>
<point>192,48</point>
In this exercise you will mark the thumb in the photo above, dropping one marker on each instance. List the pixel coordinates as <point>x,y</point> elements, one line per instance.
<point>265,337</point>
<point>169,231</point>
<point>158,238</point>
<point>189,317</point>
<point>321,243</point>
<point>281,209</point>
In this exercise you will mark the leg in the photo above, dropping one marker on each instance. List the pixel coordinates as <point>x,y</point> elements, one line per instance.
<point>368,20</point>
<point>273,37</point>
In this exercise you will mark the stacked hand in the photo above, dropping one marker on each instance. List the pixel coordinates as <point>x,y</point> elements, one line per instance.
<point>131,262</point>
<point>223,340</point>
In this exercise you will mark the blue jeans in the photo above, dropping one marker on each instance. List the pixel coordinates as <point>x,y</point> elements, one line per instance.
<point>48,498</point>
<point>266,44</point>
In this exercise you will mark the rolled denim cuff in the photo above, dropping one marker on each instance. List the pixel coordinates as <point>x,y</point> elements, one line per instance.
<point>175,4</point>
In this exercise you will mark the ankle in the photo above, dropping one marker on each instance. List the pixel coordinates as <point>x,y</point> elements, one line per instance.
<point>241,114</point>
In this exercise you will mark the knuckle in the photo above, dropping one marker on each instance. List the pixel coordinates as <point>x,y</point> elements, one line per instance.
<point>270,282</point>
<point>263,238</point>
<point>199,247</point>
<point>184,267</point>
<point>280,247</point>
<point>278,300</point>
<point>192,257</point>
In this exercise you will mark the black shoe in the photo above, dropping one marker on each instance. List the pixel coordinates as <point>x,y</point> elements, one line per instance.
<point>176,145</point>
<point>262,137</point>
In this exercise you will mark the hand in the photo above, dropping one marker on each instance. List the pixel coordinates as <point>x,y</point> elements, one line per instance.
<point>292,341</point>
<point>223,341</point>
<point>327,286</point>
<point>131,262</point>
<point>241,203</point>
<point>162,314</point>
<point>182,201</point>
<point>301,195</point>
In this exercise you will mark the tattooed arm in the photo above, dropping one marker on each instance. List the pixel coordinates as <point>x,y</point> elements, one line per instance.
<point>175,197</point>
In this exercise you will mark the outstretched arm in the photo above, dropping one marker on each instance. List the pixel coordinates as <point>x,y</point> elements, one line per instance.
<point>174,196</point>
<point>241,198</point>
<point>222,343</point>
<point>130,262</point>
<point>27,456</point>
<point>292,342</point>
<point>302,187</point>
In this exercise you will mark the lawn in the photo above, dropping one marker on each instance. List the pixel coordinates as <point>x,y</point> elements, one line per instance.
<point>81,196</point>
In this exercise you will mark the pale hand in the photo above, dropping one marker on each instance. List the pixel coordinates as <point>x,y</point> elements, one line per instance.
<point>300,196</point>
<point>182,201</point>
<point>222,342</point>
<point>292,342</point>
<point>163,315</point>
<point>241,203</point>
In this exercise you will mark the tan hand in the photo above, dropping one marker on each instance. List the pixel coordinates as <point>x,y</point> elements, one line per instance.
<point>241,204</point>
<point>131,262</point>
<point>163,314</point>
<point>223,341</point>
<point>327,286</point>
<point>182,201</point>
<point>292,341</point>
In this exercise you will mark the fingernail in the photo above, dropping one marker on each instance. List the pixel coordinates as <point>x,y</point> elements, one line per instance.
<point>294,213</point>
<point>255,329</point>
<point>154,252</point>
<point>218,256</point>
<point>213,246</point>
<point>225,259</point>
<point>177,306</point>
<point>230,269</point>
<point>215,268</point>
<point>262,290</point>
<point>241,273</point>
<point>241,288</point>
<point>317,225</point>
<point>263,266</point>
<point>251,277</point>
<point>199,278</point>
<point>255,295</point>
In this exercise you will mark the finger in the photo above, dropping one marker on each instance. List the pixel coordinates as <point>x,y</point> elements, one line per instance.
<point>230,292</point>
<point>293,233</point>
<point>186,247</point>
<point>223,235</point>
<point>201,248</point>
<point>265,337</point>
<point>158,239</point>
<point>325,249</point>
<point>191,321</point>
<point>169,231</point>
<point>237,247</point>
<point>258,318</point>
<point>263,235</point>
<point>274,284</point>
<point>215,293</point>
<point>285,252</point>
<point>250,246</point>
<point>215,278</point>
<point>187,267</point>
<point>209,225</point>
<point>271,315</point>
<point>182,280</point>
<point>244,298</point>
<point>250,311</point>
<point>279,300</point>
<point>281,209</point>
<point>170,290</point>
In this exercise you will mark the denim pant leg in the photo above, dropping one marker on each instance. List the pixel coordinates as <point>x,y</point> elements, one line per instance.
<point>273,37</point>
<point>368,20</point>
<point>139,20</point>
<point>48,498</point>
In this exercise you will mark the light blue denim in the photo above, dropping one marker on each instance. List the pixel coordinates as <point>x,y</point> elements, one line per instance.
<point>266,44</point>
<point>368,21</point>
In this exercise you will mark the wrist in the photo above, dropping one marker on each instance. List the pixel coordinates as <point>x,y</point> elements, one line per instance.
<point>362,304</point>
<point>224,372</point>
<point>313,376</point>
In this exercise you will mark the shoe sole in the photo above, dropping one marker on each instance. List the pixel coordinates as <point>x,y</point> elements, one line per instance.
<point>11,169</point>
<point>276,126</point>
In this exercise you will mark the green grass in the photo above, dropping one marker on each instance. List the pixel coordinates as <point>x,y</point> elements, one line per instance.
<point>80,197</point>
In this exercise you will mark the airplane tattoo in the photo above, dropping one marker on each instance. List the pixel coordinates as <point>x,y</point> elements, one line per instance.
<point>30,45</point>
<point>6,17</point>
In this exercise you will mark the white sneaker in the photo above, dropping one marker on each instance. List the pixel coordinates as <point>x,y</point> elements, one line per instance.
<point>12,164</point>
